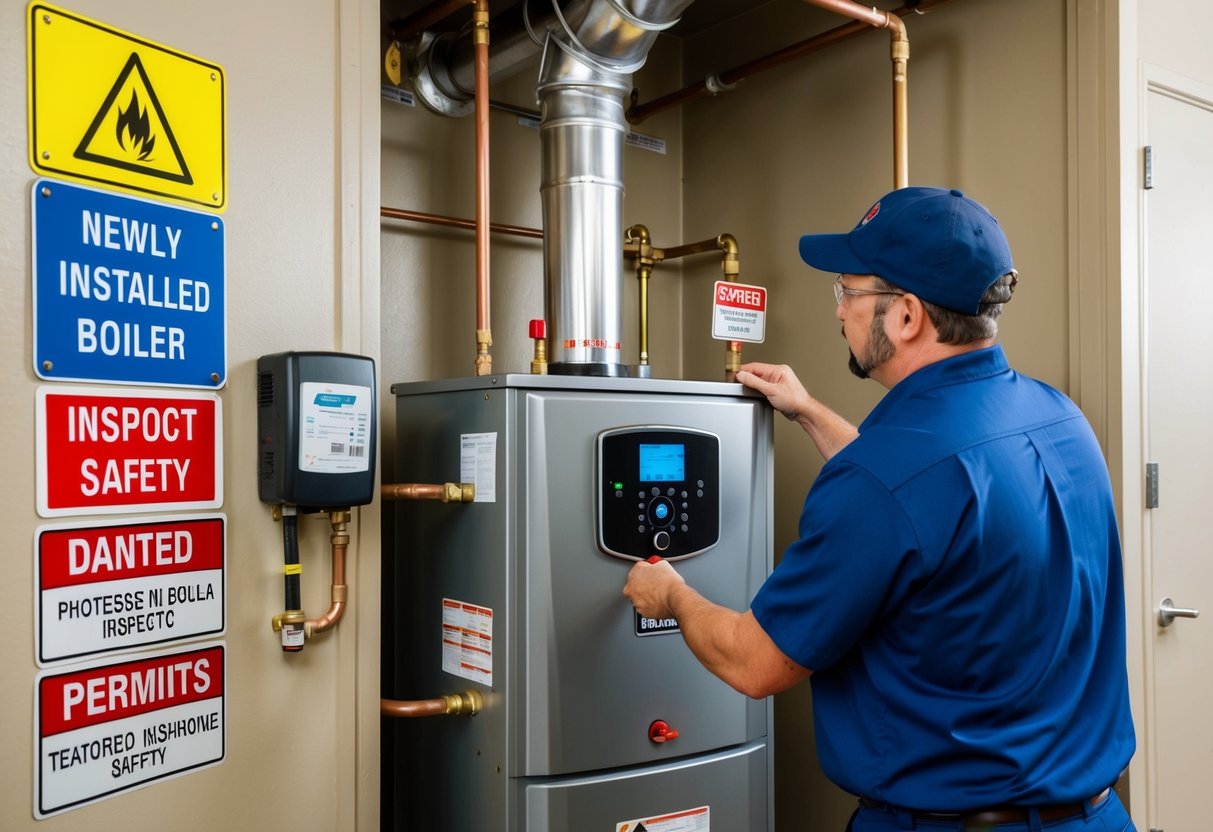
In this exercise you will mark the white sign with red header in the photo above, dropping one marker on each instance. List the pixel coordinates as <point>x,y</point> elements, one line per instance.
<point>125,451</point>
<point>104,587</point>
<point>739,312</point>
<point>104,729</point>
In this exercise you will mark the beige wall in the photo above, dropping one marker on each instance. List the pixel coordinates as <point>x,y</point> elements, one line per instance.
<point>808,147</point>
<point>302,145</point>
<point>994,89</point>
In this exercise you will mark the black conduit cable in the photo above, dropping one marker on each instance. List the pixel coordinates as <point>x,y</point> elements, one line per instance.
<point>292,638</point>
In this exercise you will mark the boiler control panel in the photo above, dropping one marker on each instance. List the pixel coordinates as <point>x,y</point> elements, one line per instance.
<point>658,492</point>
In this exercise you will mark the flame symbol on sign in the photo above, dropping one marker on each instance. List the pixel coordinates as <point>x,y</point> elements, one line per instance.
<point>133,122</point>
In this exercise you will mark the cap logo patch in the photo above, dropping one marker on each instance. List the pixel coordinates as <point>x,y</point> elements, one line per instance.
<point>871,215</point>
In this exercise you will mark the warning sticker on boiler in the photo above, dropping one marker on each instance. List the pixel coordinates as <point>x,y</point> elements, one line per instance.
<point>478,464</point>
<point>467,641</point>
<point>334,427</point>
<point>692,820</point>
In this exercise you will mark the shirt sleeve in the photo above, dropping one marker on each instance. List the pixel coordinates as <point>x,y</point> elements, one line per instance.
<point>856,557</point>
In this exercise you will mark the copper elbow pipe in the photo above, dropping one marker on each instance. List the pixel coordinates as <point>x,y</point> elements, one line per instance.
<point>448,492</point>
<point>339,541</point>
<point>468,703</point>
<point>484,334</point>
<point>900,54</point>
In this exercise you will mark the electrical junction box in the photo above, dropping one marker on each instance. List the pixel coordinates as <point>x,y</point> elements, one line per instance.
<point>316,427</point>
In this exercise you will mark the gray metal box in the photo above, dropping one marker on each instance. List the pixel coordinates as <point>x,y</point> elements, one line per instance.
<point>563,742</point>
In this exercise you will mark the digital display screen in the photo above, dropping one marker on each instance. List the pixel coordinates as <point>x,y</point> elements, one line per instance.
<point>662,463</point>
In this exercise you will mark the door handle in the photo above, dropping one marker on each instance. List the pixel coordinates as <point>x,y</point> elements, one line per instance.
<point>1168,612</point>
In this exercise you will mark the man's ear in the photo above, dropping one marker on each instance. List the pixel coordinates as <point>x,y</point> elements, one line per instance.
<point>911,317</point>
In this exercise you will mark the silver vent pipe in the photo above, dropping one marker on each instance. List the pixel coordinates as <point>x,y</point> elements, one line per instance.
<point>585,76</point>
<point>590,50</point>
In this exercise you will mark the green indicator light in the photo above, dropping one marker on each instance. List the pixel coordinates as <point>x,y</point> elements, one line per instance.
<point>618,486</point>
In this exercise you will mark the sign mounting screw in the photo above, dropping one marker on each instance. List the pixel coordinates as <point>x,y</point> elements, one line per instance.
<point>46,18</point>
<point>46,154</point>
<point>46,191</point>
<point>215,378</point>
<point>48,366</point>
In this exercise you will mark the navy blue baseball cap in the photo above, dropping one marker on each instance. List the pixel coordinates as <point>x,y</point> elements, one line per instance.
<point>936,243</point>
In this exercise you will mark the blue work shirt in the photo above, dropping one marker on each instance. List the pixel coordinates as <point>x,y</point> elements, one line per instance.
<point>957,591</point>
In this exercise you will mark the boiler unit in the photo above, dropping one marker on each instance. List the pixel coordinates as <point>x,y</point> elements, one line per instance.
<point>594,718</point>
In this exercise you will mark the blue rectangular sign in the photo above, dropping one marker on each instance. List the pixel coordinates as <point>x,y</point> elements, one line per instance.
<point>127,291</point>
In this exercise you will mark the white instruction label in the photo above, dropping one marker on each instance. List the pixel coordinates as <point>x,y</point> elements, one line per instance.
<point>467,641</point>
<point>692,820</point>
<point>334,427</point>
<point>478,464</point>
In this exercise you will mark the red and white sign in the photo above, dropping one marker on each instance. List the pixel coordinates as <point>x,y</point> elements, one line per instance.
<point>739,312</point>
<point>123,451</point>
<point>105,729</point>
<point>104,587</point>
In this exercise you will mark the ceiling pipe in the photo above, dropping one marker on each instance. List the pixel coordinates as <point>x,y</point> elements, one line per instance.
<point>900,55</point>
<point>726,80</point>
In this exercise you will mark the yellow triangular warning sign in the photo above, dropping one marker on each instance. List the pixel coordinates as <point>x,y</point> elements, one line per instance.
<point>130,130</point>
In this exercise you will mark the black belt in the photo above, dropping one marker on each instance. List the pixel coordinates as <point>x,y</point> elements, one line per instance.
<point>981,818</point>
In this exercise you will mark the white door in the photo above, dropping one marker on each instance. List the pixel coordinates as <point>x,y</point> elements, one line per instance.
<point>1179,439</point>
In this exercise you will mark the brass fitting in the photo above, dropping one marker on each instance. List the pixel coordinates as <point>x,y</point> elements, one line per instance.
<point>288,617</point>
<point>459,492</point>
<point>480,22</point>
<point>484,361</point>
<point>469,703</point>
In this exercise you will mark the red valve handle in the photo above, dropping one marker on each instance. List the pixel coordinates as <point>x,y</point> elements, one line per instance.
<point>539,328</point>
<point>660,731</point>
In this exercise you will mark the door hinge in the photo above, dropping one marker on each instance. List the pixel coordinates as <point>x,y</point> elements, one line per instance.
<point>1147,173</point>
<point>1151,485</point>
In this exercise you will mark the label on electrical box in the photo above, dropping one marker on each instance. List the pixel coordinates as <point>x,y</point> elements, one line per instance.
<point>104,729</point>
<point>655,626</point>
<point>335,427</point>
<point>692,820</point>
<point>467,641</point>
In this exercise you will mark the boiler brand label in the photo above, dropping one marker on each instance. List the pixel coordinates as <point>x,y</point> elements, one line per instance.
<point>104,587</point>
<point>467,641</point>
<point>126,290</point>
<point>692,820</point>
<point>739,312</point>
<point>104,729</point>
<point>123,451</point>
<point>655,626</point>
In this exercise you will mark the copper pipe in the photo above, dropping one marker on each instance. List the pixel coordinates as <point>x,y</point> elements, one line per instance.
<point>413,25</point>
<point>469,702</point>
<point>339,540</point>
<point>457,222</point>
<point>703,89</point>
<point>639,112</point>
<point>447,492</point>
<point>484,332</point>
<point>900,55</point>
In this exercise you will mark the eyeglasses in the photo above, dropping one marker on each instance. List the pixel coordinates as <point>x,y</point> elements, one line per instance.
<point>841,291</point>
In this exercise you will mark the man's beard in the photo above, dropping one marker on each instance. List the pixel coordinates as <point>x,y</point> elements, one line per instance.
<point>880,348</point>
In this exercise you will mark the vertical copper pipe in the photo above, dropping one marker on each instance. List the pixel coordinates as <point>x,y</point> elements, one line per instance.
<point>339,541</point>
<point>484,333</point>
<point>900,55</point>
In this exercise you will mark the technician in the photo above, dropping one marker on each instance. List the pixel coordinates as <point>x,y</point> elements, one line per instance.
<point>956,592</point>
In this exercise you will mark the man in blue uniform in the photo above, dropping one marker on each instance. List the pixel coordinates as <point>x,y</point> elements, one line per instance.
<point>956,591</point>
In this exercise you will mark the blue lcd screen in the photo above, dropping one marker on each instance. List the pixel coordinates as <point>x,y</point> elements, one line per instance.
<point>662,463</point>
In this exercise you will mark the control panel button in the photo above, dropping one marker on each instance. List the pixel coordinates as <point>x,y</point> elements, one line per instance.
<point>661,541</point>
